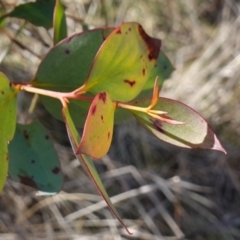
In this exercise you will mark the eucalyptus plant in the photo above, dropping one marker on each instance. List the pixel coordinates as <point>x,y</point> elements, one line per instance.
<point>91,80</point>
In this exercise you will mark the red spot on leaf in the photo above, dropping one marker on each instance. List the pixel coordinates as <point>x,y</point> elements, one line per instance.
<point>27,181</point>
<point>108,135</point>
<point>103,96</point>
<point>10,84</point>
<point>143,71</point>
<point>56,170</point>
<point>119,31</point>
<point>153,44</point>
<point>93,109</point>
<point>130,29</point>
<point>131,83</point>
<point>2,92</point>
<point>102,118</point>
<point>157,124</point>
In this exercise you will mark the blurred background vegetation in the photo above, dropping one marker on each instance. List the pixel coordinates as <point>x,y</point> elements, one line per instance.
<point>161,191</point>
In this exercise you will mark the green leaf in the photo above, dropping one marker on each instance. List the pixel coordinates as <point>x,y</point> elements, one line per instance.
<point>59,23</point>
<point>124,63</point>
<point>88,164</point>
<point>163,70</point>
<point>2,21</point>
<point>71,129</point>
<point>39,13</point>
<point>66,67</point>
<point>33,159</point>
<point>78,109</point>
<point>121,115</point>
<point>7,123</point>
<point>195,133</point>
<point>98,129</point>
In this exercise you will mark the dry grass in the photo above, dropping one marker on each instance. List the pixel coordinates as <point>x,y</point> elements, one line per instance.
<point>166,192</point>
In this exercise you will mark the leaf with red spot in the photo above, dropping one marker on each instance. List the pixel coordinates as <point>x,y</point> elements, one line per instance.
<point>59,22</point>
<point>67,65</point>
<point>87,164</point>
<point>33,160</point>
<point>124,63</point>
<point>65,68</point>
<point>98,128</point>
<point>162,70</point>
<point>195,133</point>
<point>7,123</point>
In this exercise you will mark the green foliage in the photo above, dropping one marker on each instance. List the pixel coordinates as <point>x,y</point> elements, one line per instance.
<point>59,23</point>
<point>74,58</point>
<point>88,80</point>
<point>87,162</point>
<point>194,133</point>
<point>132,55</point>
<point>33,160</point>
<point>39,13</point>
<point>7,123</point>
<point>163,70</point>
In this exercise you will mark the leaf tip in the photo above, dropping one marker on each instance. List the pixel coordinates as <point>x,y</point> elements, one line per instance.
<point>218,146</point>
<point>130,233</point>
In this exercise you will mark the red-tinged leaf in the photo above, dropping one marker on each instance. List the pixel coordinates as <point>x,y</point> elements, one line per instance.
<point>195,133</point>
<point>124,63</point>
<point>88,164</point>
<point>165,118</point>
<point>98,128</point>
<point>155,95</point>
<point>59,22</point>
<point>65,68</point>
